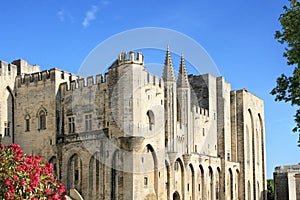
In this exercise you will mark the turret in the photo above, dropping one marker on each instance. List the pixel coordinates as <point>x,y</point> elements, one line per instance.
<point>168,72</point>
<point>182,81</point>
<point>170,103</point>
<point>184,105</point>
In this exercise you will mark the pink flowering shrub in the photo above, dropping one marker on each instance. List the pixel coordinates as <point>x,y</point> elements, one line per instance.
<point>26,177</point>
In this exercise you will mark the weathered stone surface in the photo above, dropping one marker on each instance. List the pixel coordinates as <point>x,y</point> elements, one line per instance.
<point>134,135</point>
<point>287,182</point>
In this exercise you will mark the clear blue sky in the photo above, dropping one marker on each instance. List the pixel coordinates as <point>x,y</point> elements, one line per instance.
<point>238,35</point>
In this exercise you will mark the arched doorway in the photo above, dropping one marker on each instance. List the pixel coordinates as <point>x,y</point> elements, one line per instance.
<point>74,173</point>
<point>176,196</point>
<point>95,177</point>
<point>210,184</point>
<point>201,185</point>
<point>179,177</point>
<point>191,182</point>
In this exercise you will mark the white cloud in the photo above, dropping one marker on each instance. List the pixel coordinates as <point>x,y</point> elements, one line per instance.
<point>61,15</point>
<point>89,16</point>
<point>64,16</point>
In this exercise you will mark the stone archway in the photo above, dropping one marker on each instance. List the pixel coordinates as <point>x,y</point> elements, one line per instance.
<point>176,196</point>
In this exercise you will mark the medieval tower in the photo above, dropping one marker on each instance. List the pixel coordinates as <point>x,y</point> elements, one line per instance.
<point>128,134</point>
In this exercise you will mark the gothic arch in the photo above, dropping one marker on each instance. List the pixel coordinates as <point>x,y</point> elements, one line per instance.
<point>150,119</point>
<point>153,170</point>
<point>27,119</point>
<point>41,109</point>
<point>191,181</point>
<point>42,118</point>
<point>210,184</point>
<point>201,185</point>
<point>179,172</point>
<point>176,196</point>
<point>95,176</point>
<point>74,177</point>
<point>254,167</point>
<point>27,116</point>
<point>10,118</point>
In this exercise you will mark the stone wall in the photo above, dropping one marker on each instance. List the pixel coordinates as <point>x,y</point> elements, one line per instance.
<point>286,182</point>
<point>131,135</point>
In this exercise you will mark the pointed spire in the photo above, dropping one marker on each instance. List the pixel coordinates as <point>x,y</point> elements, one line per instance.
<point>168,72</point>
<point>182,80</point>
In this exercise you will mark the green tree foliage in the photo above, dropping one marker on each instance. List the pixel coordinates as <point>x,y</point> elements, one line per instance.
<point>270,188</point>
<point>288,87</point>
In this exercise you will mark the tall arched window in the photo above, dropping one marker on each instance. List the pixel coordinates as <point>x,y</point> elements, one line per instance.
<point>41,115</point>
<point>74,173</point>
<point>27,123</point>
<point>150,118</point>
<point>42,120</point>
<point>8,113</point>
<point>201,182</point>
<point>210,184</point>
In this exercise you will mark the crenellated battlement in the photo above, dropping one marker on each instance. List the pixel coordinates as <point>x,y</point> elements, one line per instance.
<point>53,75</point>
<point>82,83</point>
<point>8,70</point>
<point>154,80</point>
<point>198,111</point>
<point>131,57</point>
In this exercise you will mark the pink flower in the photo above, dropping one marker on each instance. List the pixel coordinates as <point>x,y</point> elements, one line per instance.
<point>28,190</point>
<point>62,188</point>
<point>7,182</point>
<point>12,188</point>
<point>55,196</point>
<point>22,182</point>
<point>47,191</point>
<point>25,171</point>
<point>16,178</point>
